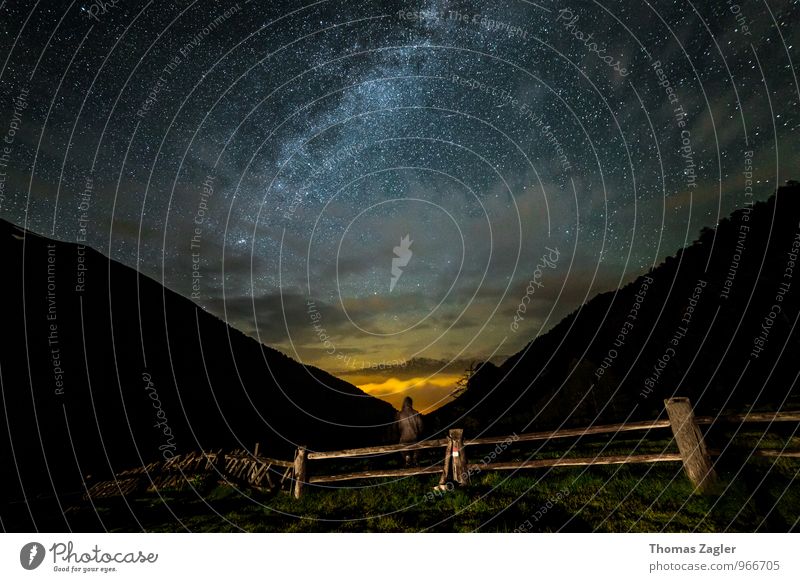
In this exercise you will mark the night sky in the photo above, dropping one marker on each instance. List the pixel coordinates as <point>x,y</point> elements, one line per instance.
<point>362,184</point>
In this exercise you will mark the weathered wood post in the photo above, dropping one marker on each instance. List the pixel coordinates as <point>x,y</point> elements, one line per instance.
<point>299,471</point>
<point>460,471</point>
<point>692,447</point>
<point>448,451</point>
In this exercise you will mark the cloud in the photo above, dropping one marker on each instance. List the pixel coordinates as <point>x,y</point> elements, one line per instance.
<point>428,393</point>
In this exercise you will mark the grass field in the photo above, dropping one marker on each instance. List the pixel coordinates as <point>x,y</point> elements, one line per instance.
<point>762,494</point>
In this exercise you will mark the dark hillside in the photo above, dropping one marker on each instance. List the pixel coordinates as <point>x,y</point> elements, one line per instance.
<point>103,368</point>
<point>715,322</point>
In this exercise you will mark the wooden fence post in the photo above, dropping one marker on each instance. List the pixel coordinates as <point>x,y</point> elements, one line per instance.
<point>696,460</point>
<point>447,463</point>
<point>299,471</point>
<point>460,472</point>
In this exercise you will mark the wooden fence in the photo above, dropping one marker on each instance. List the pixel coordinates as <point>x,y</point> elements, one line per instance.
<point>237,467</point>
<point>692,450</point>
<point>241,467</point>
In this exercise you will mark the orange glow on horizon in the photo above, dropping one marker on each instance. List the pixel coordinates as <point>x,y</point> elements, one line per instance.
<point>428,393</point>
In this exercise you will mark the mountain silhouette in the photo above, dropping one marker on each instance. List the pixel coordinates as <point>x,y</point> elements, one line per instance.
<point>715,322</point>
<point>103,368</point>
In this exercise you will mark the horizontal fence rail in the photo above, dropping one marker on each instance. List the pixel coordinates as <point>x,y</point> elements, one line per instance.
<point>579,462</point>
<point>789,416</point>
<point>377,473</point>
<point>573,432</point>
<point>366,451</point>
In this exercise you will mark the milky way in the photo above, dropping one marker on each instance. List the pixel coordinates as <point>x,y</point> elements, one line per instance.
<point>364,183</point>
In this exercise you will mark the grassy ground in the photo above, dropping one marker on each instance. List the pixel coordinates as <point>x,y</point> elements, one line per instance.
<point>760,495</point>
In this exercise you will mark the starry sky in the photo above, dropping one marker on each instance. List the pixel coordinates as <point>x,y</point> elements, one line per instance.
<point>393,190</point>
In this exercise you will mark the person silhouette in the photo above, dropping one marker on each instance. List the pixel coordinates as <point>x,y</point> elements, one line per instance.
<point>409,423</point>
